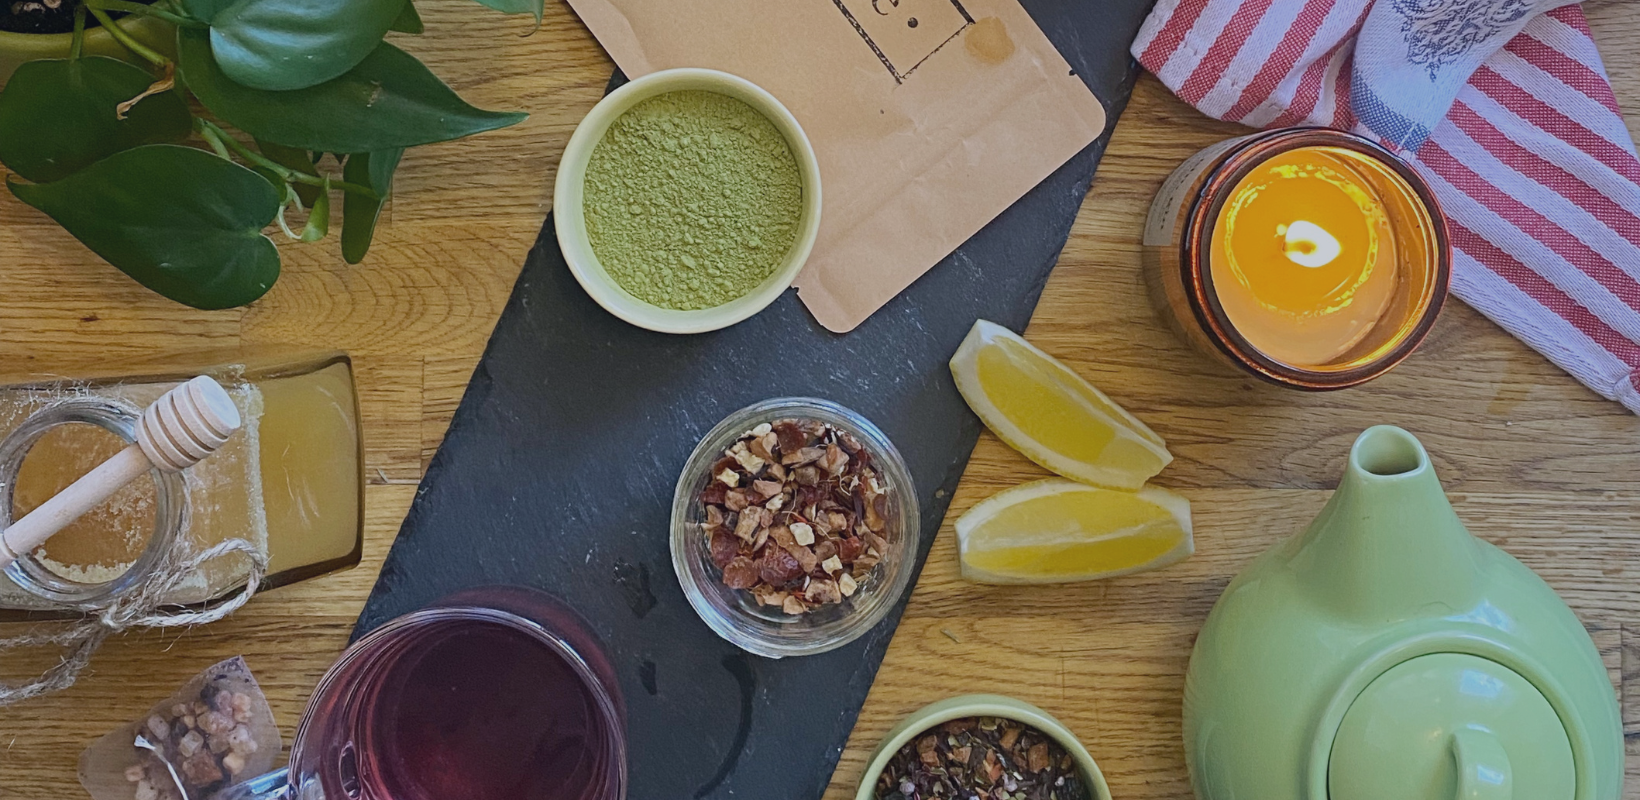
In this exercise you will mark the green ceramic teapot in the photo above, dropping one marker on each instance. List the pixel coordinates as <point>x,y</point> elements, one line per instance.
<point>1387,654</point>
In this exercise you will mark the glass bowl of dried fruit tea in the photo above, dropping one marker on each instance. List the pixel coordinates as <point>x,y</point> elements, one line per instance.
<point>794,527</point>
<point>984,747</point>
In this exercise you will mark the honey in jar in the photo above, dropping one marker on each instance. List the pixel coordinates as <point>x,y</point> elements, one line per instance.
<point>289,482</point>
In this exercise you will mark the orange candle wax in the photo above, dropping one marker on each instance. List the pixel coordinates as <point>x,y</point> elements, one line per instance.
<point>1311,258</point>
<point>1303,260</point>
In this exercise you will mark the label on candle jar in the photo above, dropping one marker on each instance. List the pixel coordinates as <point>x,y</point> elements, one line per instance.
<point>1174,197</point>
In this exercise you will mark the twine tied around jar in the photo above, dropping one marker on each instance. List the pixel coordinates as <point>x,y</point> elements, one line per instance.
<point>142,607</point>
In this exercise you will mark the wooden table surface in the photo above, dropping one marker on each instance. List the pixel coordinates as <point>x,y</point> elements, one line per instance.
<point>1533,461</point>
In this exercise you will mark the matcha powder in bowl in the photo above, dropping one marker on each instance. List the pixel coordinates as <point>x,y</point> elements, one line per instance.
<point>692,199</point>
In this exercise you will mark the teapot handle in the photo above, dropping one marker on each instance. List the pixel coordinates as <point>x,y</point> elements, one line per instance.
<point>274,785</point>
<point>1483,766</point>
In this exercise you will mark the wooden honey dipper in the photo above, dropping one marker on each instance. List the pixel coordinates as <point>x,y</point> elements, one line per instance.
<point>180,429</point>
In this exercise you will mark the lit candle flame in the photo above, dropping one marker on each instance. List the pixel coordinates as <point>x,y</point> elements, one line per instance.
<point>1308,244</point>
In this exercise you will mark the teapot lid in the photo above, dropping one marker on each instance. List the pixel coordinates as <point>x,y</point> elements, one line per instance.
<point>1448,726</point>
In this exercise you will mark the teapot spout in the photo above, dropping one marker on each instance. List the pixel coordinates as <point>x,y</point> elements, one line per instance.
<point>1388,545</point>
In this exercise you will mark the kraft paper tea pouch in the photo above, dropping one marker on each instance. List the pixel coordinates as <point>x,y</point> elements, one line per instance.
<point>217,730</point>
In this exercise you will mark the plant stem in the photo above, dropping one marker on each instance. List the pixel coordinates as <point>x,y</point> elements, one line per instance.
<point>214,133</point>
<point>215,141</point>
<point>313,180</point>
<point>77,44</point>
<point>145,11</point>
<point>125,38</point>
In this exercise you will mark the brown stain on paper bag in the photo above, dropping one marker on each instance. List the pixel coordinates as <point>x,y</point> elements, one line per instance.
<point>988,41</point>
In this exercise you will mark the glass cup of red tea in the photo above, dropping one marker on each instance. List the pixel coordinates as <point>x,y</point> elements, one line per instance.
<point>498,693</point>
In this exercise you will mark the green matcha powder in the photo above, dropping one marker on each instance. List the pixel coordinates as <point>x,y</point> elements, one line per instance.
<point>692,199</point>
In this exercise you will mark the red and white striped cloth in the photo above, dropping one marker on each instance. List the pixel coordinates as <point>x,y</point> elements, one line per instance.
<point>1529,157</point>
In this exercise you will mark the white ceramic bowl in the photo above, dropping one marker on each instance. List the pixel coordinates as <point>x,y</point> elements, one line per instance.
<point>570,220</point>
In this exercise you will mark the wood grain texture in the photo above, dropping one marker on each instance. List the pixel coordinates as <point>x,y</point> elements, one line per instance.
<point>1535,462</point>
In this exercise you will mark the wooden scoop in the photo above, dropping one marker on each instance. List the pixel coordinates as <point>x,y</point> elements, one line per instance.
<point>181,428</point>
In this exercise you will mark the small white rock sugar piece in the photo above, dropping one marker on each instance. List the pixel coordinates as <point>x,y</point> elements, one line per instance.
<point>803,533</point>
<point>762,429</point>
<point>241,740</point>
<point>847,584</point>
<point>748,460</point>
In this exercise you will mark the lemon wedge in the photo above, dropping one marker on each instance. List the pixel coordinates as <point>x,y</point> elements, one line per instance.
<point>1049,413</point>
<point>1055,530</point>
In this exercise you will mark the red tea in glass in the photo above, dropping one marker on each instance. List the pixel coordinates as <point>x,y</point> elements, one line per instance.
<point>493,694</point>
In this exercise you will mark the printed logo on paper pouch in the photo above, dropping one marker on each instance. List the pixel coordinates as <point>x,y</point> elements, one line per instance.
<point>904,33</point>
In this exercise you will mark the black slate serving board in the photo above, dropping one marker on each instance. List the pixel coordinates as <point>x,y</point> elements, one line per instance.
<point>558,468</point>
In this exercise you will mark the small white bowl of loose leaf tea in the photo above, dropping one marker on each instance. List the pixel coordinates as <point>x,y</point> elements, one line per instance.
<point>687,200</point>
<point>982,747</point>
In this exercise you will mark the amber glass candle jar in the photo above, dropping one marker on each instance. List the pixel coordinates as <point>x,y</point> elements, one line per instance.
<point>1310,257</point>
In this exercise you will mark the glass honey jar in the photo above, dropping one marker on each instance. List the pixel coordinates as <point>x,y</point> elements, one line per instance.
<point>1308,257</point>
<point>290,482</point>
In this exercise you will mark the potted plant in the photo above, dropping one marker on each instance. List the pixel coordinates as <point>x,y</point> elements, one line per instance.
<point>297,103</point>
<point>36,29</point>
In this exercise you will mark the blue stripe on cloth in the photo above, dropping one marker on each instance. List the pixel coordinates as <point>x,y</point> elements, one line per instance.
<point>1382,120</point>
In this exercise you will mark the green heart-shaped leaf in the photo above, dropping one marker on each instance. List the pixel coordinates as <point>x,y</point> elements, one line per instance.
<point>180,221</point>
<point>409,20</point>
<point>293,44</point>
<point>536,7</point>
<point>58,116</point>
<point>390,100</point>
<point>360,213</point>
